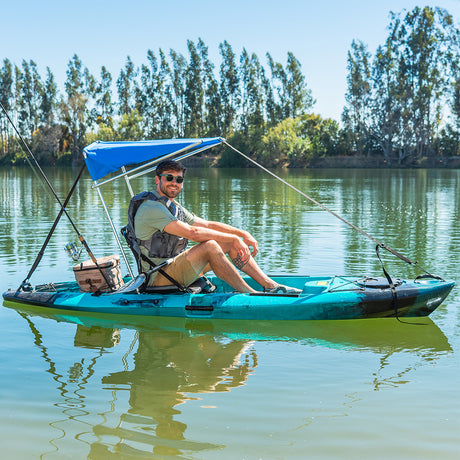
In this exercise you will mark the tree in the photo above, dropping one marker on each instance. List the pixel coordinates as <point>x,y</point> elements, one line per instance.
<point>46,139</point>
<point>29,89</point>
<point>164,98</point>
<point>386,114</point>
<point>272,110</point>
<point>358,97</point>
<point>274,89</point>
<point>130,127</point>
<point>75,108</point>
<point>194,94</point>
<point>298,140</point>
<point>126,86</point>
<point>148,97</point>
<point>152,98</point>
<point>166,111</point>
<point>427,39</point>
<point>6,99</point>
<point>230,95</point>
<point>104,106</point>
<point>285,142</point>
<point>251,78</point>
<point>298,99</point>
<point>212,110</point>
<point>176,92</point>
<point>48,103</point>
<point>323,133</point>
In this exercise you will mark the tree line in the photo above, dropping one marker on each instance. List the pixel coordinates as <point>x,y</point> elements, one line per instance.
<point>169,95</point>
<point>402,104</point>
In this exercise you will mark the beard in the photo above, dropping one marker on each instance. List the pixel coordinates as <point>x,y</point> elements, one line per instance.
<point>170,191</point>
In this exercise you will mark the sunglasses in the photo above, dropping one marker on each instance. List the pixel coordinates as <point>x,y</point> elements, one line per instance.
<point>170,178</point>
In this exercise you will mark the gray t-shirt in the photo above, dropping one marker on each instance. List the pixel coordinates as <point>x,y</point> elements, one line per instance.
<point>153,216</point>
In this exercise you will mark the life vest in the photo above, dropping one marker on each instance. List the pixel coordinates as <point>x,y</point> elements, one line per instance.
<point>161,245</point>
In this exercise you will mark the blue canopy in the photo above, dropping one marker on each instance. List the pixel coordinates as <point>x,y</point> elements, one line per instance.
<point>103,158</point>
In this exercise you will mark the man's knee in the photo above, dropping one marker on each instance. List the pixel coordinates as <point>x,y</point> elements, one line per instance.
<point>212,248</point>
<point>206,250</point>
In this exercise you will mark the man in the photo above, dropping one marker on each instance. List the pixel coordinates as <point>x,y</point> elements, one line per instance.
<point>163,229</point>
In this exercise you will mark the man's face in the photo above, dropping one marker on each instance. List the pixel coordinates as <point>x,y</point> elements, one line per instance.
<point>169,188</point>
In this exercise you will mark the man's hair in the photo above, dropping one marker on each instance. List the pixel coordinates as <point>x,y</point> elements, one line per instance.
<point>169,165</point>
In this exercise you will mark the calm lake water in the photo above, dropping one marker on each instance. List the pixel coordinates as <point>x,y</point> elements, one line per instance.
<point>169,388</point>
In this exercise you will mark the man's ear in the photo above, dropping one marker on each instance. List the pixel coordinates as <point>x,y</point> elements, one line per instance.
<point>157,180</point>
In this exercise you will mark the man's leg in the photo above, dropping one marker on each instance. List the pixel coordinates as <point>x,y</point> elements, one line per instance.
<point>211,252</point>
<point>251,268</point>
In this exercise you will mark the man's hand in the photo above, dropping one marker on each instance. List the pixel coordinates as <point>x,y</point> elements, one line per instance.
<point>241,249</point>
<point>250,241</point>
<point>240,254</point>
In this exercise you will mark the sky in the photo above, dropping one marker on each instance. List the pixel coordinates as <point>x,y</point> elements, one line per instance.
<point>104,32</point>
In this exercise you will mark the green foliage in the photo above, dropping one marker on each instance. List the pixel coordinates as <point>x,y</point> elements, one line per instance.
<point>126,86</point>
<point>297,141</point>
<point>228,158</point>
<point>130,127</point>
<point>168,96</point>
<point>285,142</point>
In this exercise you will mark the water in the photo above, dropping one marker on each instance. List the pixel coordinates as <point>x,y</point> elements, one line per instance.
<point>170,388</point>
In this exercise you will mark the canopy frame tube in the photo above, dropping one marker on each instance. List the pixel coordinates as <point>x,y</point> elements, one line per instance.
<point>115,234</point>
<point>182,157</point>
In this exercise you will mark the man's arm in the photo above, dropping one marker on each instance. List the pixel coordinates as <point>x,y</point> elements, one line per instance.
<point>225,228</point>
<point>202,231</point>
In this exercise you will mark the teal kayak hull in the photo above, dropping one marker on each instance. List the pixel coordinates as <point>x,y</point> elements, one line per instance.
<point>322,298</point>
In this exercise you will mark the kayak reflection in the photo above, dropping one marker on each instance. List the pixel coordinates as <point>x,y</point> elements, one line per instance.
<point>171,361</point>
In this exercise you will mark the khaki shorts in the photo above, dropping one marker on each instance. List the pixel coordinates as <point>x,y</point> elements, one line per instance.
<point>179,269</point>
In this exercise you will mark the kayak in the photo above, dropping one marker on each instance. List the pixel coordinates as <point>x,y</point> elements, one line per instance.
<point>322,298</point>
<point>100,288</point>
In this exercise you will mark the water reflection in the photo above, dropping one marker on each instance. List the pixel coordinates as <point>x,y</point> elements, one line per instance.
<point>169,362</point>
<point>169,368</point>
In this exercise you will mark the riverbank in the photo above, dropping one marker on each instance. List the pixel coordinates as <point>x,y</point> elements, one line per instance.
<point>347,162</point>
<point>376,163</point>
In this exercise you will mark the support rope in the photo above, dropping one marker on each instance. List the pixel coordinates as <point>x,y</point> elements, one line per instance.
<point>378,243</point>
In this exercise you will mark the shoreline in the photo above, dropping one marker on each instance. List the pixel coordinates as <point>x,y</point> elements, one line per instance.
<point>333,162</point>
<point>348,162</point>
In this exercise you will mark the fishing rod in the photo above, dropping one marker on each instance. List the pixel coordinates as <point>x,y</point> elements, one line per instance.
<point>50,188</point>
<point>26,283</point>
<point>378,243</point>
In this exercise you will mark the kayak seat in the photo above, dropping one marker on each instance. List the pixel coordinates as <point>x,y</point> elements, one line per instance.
<point>202,284</point>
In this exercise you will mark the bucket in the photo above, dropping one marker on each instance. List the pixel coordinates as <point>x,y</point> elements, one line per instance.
<point>90,279</point>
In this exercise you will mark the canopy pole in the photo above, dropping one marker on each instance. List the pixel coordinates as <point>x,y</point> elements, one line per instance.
<point>128,183</point>
<point>115,234</point>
